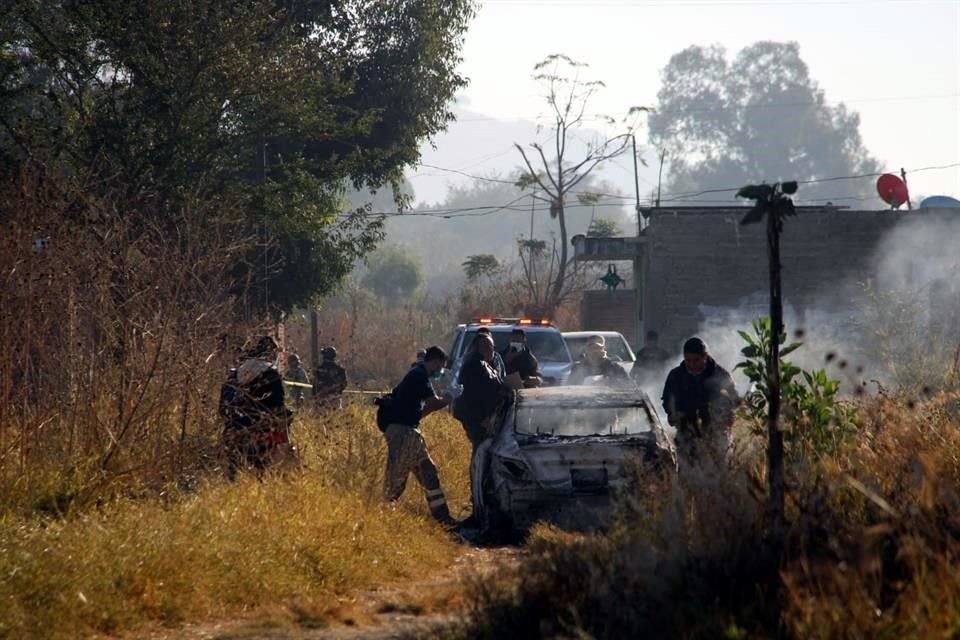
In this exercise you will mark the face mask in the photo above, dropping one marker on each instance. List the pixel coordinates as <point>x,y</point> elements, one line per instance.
<point>438,373</point>
<point>516,346</point>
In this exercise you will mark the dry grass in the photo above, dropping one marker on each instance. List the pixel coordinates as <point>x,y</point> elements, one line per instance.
<point>873,549</point>
<point>296,541</point>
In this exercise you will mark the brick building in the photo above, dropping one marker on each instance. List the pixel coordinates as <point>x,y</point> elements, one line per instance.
<point>689,260</point>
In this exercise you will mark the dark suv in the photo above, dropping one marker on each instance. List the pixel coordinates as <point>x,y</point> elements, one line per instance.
<point>544,341</point>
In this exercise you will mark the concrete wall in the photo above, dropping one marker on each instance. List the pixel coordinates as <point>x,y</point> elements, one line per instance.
<point>603,310</point>
<point>697,258</point>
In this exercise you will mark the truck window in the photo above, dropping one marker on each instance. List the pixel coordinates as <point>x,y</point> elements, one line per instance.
<point>454,349</point>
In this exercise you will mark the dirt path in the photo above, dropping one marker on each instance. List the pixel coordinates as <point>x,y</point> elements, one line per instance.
<point>396,611</point>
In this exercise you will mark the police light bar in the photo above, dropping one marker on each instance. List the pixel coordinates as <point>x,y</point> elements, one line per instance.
<point>526,322</point>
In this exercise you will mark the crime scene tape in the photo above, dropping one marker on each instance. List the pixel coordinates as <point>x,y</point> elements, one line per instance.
<point>291,383</point>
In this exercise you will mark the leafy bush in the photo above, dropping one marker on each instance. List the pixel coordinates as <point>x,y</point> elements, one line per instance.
<point>816,421</point>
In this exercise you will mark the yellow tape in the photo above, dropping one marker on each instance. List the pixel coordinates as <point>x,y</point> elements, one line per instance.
<point>291,383</point>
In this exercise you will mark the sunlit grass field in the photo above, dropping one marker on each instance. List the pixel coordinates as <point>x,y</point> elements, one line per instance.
<point>297,540</point>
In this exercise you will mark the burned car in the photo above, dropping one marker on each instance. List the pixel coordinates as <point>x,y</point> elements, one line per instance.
<point>562,454</point>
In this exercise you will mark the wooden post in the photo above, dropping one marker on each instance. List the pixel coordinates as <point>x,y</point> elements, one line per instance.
<point>314,341</point>
<point>775,436</point>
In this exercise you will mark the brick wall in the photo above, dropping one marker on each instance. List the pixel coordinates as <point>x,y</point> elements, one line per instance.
<point>698,257</point>
<point>603,310</point>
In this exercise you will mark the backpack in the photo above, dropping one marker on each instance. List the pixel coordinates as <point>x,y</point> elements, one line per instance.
<point>229,405</point>
<point>384,411</point>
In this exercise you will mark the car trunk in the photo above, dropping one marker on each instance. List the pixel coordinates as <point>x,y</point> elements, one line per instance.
<point>591,465</point>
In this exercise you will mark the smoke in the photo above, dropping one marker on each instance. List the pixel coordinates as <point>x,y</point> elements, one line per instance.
<point>895,324</point>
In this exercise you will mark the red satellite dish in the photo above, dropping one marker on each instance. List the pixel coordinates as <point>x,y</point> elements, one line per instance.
<point>892,190</point>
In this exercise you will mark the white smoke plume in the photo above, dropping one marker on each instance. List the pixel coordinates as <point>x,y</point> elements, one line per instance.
<point>894,325</point>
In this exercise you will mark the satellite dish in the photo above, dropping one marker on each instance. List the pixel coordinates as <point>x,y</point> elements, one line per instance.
<point>940,202</point>
<point>892,190</point>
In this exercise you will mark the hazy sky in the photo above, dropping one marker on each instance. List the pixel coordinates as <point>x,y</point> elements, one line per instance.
<point>895,62</point>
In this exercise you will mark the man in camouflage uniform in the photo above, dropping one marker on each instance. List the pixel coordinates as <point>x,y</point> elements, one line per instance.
<point>329,382</point>
<point>256,420</point>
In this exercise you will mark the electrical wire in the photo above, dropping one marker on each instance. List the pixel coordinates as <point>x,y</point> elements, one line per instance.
<point>452,213</point>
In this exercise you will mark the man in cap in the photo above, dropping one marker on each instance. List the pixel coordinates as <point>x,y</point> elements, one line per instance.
<point>412,400</point>
<point>699,397</point>
<point>518,359</point>
<point>329,381</point>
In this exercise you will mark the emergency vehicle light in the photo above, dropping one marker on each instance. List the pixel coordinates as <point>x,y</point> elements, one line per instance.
<point>545,322</point>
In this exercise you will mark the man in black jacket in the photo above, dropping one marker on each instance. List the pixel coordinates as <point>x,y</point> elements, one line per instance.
<point>482,392</point>
<point>414,399</point>
<point>699,397</point>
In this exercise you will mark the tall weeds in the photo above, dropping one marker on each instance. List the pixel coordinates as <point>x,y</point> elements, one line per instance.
<point>296,544</point>
<point>111,325</point>
<point>871,551</point>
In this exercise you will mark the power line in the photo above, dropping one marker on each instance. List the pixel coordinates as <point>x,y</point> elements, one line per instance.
<point>694,194</point>
<point>468,175</point>
<point>514,183</point>
<point>461,212</point>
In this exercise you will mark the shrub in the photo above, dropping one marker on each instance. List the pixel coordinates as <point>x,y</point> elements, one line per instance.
<point>816,420</point>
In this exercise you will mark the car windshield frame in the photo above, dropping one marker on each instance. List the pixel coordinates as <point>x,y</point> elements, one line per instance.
<point>536,341</point>
<point>633,420</point>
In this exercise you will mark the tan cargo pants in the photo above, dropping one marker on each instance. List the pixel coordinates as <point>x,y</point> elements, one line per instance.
<point>407,453</point>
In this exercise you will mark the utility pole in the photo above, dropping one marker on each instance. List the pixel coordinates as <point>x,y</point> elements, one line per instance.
<point>638,282</point>
<point>903,175</point>
<point>636,179</point>
<point>663,154</point>
<point>533,204</point>
<point>314,340</point>
<point>773,202</point>
<point>266,237</point>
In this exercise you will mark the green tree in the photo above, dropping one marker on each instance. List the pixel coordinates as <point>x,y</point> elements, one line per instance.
<point>481,265</point>
<point>603,228</point>
<point>394,273</point>
<point>487,216</point>
<point>268,107</point>
<point>759,117</point>
<point>568,96</point>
